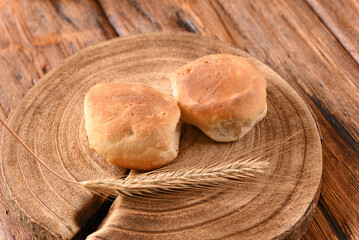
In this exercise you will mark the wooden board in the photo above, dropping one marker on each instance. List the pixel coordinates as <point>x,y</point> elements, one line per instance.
<point>342,20</point>
<point>50,119</point>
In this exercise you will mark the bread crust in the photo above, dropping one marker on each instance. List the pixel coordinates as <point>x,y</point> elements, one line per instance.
<point>132,125</point>
<point>220,89</point>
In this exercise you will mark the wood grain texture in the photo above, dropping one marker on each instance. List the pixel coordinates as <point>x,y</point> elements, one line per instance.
<point>35,36</point>
<point>289,36</point>
<point>342,18</point>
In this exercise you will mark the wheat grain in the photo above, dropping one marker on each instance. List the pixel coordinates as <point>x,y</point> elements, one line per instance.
<point>197,178</point>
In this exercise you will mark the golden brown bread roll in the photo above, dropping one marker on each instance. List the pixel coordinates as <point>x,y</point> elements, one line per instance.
<point>223,95</point>
<point>132,125</point>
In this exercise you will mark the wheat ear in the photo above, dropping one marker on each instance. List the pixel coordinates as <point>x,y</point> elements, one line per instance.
<point>168,182</point>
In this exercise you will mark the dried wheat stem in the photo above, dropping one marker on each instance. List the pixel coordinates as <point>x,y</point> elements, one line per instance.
<point>17,138</point>
<point>180,180</point>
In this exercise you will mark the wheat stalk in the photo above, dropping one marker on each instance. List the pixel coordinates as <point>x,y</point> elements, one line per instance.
<point>197,178</point>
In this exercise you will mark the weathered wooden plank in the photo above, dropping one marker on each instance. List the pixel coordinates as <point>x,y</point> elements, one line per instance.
<point>35,36</point>
<point>342,18</point>
<point>337,212</point>
<point>131,17</point>
<point>321,226</point>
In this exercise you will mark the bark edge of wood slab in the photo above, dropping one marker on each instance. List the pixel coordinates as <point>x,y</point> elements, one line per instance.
<point>50,120</point>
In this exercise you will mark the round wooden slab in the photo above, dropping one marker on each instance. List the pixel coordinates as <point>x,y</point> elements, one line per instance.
<point>50,120</point>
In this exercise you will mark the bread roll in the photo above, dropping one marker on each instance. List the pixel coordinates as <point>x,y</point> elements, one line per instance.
<point>223,95</point>
<point>132,125</point>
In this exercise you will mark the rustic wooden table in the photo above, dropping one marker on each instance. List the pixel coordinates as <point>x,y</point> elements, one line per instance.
<point>313,44</point>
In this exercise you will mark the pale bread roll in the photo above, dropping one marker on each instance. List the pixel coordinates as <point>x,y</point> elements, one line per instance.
<point>132,125</point>
<point>223,95</point>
